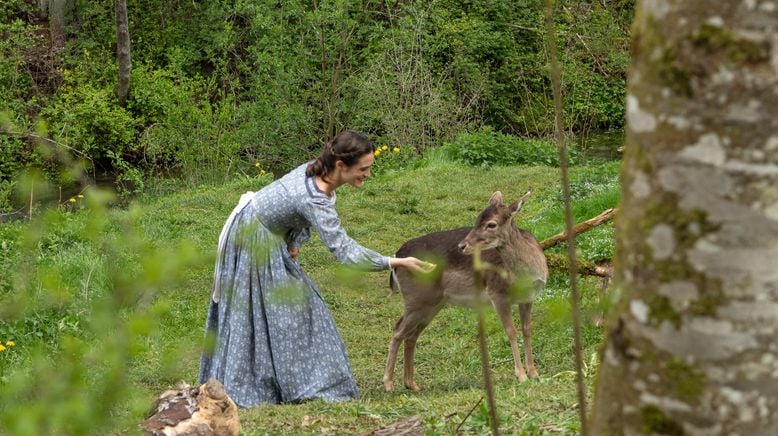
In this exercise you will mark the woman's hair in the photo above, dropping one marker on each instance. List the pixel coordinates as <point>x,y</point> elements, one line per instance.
<point>349,146</point>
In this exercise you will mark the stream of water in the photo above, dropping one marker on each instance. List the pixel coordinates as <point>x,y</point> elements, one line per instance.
<point>599,146</point>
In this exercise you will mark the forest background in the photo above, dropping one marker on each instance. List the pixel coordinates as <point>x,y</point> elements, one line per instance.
<point>218,86</point>
<point>223,96</point>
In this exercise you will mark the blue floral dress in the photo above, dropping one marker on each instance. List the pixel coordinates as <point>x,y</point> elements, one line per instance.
<point>275,340</point>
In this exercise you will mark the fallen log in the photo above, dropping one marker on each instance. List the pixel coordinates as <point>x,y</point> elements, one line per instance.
<point>579,228</point>
<point>585,267</point>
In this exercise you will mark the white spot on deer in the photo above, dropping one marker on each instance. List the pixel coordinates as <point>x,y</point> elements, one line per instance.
<point>715,21</point>
<point>639,120</point>
<point>662,241</point>
<point>707,149</point>
<point>640,187</point>
<point>639,310</point>
<point>750,4</point>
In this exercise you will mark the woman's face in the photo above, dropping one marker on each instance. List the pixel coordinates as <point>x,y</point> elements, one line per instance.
<point>356,174</point>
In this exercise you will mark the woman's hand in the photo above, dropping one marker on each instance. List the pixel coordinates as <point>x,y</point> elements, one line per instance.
<point>412,263</point>
<point>293,252</point>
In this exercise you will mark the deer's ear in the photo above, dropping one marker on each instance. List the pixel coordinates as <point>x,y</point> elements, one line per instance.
<point>496,198</point>
<point>516,207</point>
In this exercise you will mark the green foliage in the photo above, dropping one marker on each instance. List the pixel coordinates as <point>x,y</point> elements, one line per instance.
<point>218,85</point>
<point>115,301</point>
<point>17,42</point>
<point>393,158</point>
<point>399,94</point>
<point>488,147</point>
<point>13,81</point>
<point>86,116</point>
<point>79,312</point>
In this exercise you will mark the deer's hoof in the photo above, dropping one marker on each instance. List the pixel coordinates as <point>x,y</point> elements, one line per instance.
<point>533,373</point>
<point>413,386</point>
<point>522,376</point>
<point>388,386</point>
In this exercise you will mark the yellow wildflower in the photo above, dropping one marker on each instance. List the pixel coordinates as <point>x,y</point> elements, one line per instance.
<point>396,149</point>
<point>10,343</point>
<point>377,152</point>
<point>256,164</point>
<point>261,171</point>
<point>80,195</point>
<point>385,147</point>
<point>72,200</point>
<point>2,348</point>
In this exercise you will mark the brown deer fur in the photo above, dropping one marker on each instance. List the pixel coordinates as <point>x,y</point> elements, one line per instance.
<point>516,257</point>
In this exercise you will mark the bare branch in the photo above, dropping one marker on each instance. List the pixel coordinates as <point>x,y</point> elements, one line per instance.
<point>579,228</point>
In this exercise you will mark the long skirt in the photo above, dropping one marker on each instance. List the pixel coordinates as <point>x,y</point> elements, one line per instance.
<point>270,338</point>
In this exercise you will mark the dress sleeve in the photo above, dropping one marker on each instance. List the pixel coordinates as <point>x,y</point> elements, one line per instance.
<point>298,237</point>
<point>324,218</point>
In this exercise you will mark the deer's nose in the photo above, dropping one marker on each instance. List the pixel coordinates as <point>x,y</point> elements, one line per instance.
<point>462,245</point>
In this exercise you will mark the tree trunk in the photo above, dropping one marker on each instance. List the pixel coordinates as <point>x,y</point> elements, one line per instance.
<point>56,9</point>
<point>43,11</point>
<point>691,346</point>
<point>123,51</point>
<point>332,63</point>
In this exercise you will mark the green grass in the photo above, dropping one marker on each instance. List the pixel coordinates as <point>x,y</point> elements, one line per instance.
<point>383,214</point>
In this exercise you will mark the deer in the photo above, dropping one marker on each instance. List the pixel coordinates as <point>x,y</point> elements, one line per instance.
<point>515,256</point>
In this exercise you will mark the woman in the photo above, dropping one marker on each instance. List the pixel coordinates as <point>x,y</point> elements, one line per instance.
<point>275,341</point>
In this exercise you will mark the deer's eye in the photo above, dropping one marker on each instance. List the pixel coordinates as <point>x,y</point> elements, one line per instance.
<point>491,225</point>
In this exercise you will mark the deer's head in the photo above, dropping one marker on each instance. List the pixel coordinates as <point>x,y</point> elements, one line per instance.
<point>494,225</point>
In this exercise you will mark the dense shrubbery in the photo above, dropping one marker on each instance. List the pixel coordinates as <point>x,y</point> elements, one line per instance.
<point>488,147</point>
<point>218,85</point>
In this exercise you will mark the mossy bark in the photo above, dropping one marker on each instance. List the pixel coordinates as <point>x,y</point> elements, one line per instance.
<point>691,345</point>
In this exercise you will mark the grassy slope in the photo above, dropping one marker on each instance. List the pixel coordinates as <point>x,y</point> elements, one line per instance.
<point>384,213</point>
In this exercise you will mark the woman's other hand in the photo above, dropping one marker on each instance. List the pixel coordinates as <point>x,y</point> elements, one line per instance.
<point>413,264</point>
<point>293,252</point>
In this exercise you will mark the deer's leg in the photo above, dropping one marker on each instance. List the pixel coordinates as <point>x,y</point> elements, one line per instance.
<point>599,316</point>
<point>414,323</point>
<point>397,338</point>
<point>525,311</point>
<point>502,306</point>
<point>410,347</point>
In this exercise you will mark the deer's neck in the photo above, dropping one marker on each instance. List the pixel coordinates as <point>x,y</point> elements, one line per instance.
<point>514,251</point>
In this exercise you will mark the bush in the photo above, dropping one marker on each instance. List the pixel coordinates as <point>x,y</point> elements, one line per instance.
<point>487,147</point>
<point>86,116</point>
<point>393,158</point>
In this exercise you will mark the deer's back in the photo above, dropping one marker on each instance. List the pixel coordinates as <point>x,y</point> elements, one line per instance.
<point>444,247</point>
<point>453,281</point>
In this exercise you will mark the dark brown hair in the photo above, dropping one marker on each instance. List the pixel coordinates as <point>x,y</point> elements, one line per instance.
<point>349,146</point>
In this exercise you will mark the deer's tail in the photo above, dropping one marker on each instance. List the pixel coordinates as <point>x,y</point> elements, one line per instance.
<point>394,284</point>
